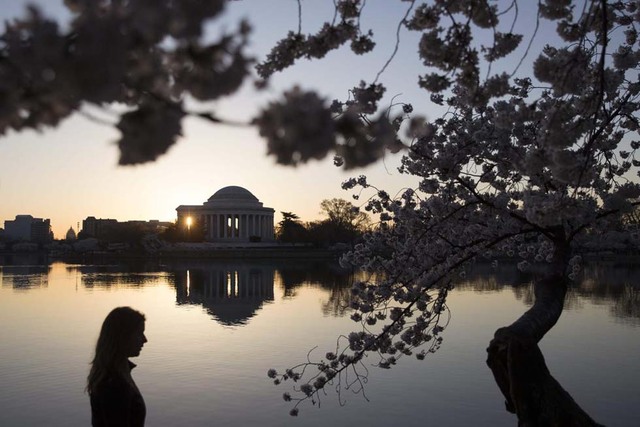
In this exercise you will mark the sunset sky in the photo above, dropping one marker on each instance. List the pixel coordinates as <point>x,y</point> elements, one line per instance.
<point>71,172</point>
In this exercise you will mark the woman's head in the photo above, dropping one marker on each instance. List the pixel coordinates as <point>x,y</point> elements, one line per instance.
<point>121,336</point>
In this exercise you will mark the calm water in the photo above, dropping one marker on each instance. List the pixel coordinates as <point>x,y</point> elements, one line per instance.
<point>214,329</point>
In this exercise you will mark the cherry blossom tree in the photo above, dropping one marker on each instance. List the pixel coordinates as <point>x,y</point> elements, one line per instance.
<point>533,162</point>
<point>535,166</point>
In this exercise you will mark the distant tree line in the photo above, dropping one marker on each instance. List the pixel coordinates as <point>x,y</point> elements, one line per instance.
<point>344,223</point>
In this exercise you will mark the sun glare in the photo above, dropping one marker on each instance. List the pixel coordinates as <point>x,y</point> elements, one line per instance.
<point>189,221</point>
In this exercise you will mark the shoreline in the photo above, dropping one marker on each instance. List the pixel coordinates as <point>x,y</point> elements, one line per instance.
<point>265,252</point>
<point>243,253</point>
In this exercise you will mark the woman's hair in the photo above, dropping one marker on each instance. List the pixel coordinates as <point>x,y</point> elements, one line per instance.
<point>112,345</point>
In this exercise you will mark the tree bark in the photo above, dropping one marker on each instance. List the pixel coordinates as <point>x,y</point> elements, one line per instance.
<point>519,368</point>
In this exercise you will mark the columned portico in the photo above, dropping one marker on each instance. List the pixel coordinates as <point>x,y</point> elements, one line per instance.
<point>232,214</point>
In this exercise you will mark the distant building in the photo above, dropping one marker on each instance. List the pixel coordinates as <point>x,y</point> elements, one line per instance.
<point>92,227</point>
<point>232,214</point>
<point>105,228</point>
<point>71,235</point>
<point>26,228</point>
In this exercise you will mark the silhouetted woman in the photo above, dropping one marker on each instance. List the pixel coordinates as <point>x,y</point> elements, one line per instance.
<point>115,398</point>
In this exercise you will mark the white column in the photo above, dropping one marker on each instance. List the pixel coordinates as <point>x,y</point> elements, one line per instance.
<point>236,226</point>
<point>233,225</point>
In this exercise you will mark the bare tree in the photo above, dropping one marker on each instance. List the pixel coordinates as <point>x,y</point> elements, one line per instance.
<point>345,214</point>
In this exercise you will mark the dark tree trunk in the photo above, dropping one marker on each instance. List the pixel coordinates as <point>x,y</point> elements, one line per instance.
<point>519,368</point>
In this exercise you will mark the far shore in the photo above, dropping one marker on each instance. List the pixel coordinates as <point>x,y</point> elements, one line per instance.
<point>179,251</point>
<point>255,251</point>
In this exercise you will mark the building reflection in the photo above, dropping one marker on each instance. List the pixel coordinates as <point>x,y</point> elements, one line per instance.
<point>24,277</point>
<point>232,293</point>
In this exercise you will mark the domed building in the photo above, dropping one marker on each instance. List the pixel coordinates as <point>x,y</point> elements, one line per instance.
<point>232,214</point>
<point>71,235</point>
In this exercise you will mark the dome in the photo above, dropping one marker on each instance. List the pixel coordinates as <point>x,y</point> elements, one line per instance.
<point>71,234</point>
<point>233,192</point>
<point>233,196</point>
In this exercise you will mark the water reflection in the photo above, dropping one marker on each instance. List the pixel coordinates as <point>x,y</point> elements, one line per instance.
<point>47,336</point>
<point>614,285</point>
<point>231,293</point>
<point>329,276</point>
<point>24,277</point>
<point>115,275</point>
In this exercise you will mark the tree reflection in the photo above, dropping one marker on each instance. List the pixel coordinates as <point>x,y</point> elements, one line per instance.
<point>628,305</point>
<point>119,275</point>
<point>24,277</point>
<point>614,285</point>
<point>322,274</point>
<point>338,302</point>
<point>328,276</point>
